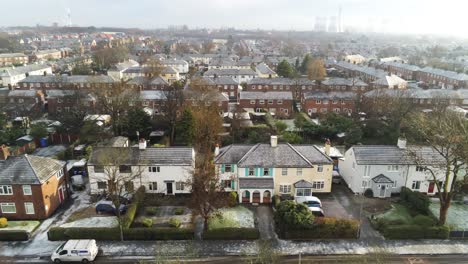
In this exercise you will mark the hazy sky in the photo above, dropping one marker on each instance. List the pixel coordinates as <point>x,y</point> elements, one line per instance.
<point>405,16</point>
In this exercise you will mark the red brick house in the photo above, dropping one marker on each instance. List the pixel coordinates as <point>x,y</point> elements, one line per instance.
<point>31,187</point>
<point>276,103</point>
<point>59,101</point>
<point>318,102</point>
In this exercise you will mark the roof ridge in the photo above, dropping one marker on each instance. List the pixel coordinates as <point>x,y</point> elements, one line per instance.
<point>322,153</point>
<point>300,154</point>
<point>32,167</point>
<point>248,152</point>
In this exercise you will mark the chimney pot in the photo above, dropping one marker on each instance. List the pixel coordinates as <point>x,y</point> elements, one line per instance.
<point>216,152</point>
<point>274,141</point>
<point>327,147</point>
<point>401,143</point>
<point>142,144</point>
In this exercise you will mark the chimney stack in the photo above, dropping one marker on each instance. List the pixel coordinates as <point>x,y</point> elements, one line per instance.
<point>216,152</point>
<point>4,152</point>
<point>401,142</point>
<point>274,141</point>
<point>142,144</point>
<point>327,147</point>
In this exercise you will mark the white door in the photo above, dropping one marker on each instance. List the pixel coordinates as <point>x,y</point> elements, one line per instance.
<point>383,189</point>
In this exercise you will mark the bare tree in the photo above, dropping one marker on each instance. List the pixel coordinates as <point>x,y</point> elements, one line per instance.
<point>115,101</point>
<point>120,171</point>
<point>316,70</point>
<point>206,187</point>
<point>446,133</point>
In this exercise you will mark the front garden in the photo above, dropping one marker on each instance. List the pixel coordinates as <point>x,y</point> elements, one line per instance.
<point>410,218</point>
<point>232,224</point>
<point>16,230</point>
<point>295,221</point>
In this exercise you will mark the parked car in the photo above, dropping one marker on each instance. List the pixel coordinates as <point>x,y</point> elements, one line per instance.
<point>109,207</point>
<point>317,211</point>
<point>78,182</point>
<point>84,250</point>
<point>336,178</point>
<point>125,198</point>
<point>308,200</point>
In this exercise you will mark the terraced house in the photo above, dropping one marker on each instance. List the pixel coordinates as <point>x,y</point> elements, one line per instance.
<point>257,172</point>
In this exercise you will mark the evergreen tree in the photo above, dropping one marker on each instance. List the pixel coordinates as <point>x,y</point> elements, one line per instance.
<point>305,62</point>
<point>284,69</point>
<point>185,127</point>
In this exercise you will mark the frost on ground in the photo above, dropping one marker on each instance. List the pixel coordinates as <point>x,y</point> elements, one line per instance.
<point>102,221</point>
<point>237,217</point>
<point>39,244</point>
<point>457,215</point>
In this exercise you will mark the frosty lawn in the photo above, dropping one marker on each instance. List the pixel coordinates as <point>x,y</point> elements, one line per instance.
<point>27,226</point>
<point>397,213</point>
<point>237,217</point>
<point>109,221</point>
<point>457,215</point>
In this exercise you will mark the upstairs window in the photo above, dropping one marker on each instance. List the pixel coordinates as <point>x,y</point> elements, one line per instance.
<point>6,190</point>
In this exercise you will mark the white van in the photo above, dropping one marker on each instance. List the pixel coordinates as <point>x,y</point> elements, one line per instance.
<point>84,250</point>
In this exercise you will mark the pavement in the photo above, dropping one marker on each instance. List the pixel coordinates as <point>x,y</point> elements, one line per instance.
<point>265,221</point>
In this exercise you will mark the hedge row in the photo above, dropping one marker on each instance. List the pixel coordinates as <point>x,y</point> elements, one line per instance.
<point>324,228</point>
<point>416,232</point>
<point>60,233</point>
<point>14,235</point>
<point>158,234</point>
<point>231,234</point>
<point>129,216</point>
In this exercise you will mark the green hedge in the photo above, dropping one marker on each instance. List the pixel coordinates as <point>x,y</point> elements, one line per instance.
<point>14,235</point>
<point>324,228</point>
<point>416,232</point>
<point>129,216</point>
<point>415,200</point>
<point>158,234</point>
<point>231,234</point>
<point>60,233</point>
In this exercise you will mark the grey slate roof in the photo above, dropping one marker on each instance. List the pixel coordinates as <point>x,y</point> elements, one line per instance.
<point>153,95</point>
<point>264,69</point>
<point>265,156</point>
<point>134,156</point>
<point>222,80</point>
<point>24,69</point>
<point>381,179</point>
<point>333,95</point>
<point>229,72</point>
<point>392,155</point>
<point>420,93</point>
<point>28,169</point>
<point>344,82</point>
<point>256,183</point>
<point>266,95</point>
<point>303,184</point>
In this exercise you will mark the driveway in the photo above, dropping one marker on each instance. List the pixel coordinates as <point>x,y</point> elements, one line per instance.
<point>265,221</point>
<point>354,206</point>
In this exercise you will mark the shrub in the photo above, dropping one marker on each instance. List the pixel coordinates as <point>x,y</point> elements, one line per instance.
<point>174,222</point>
<point>14,235</point>
<point>415,200</point>
<point>416,232</point>
<point>147,222</point>
<point>369,193</point>
<point>423,220</point>
<point>231,234</point>
<point>3,222</point>
<point>290,214</point>
<point>151,210</point>
<point>233,199</point>
<point>179,211</point>
<point>98,233</point>
<point>158,234</point>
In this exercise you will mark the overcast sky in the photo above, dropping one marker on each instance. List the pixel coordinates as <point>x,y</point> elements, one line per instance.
<point>396,16</point>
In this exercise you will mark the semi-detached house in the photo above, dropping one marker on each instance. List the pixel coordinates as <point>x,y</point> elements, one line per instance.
<point>386,169</point>
<point>257,172</point>
<point>159,170</point>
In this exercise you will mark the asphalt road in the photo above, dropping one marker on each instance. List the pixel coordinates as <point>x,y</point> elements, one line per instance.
<point>338,259</point>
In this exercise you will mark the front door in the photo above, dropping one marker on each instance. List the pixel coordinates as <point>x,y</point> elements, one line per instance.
<point>169,187</point>
<point>431,188</point>
<point>382,190</point>
<point>61,194</point>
